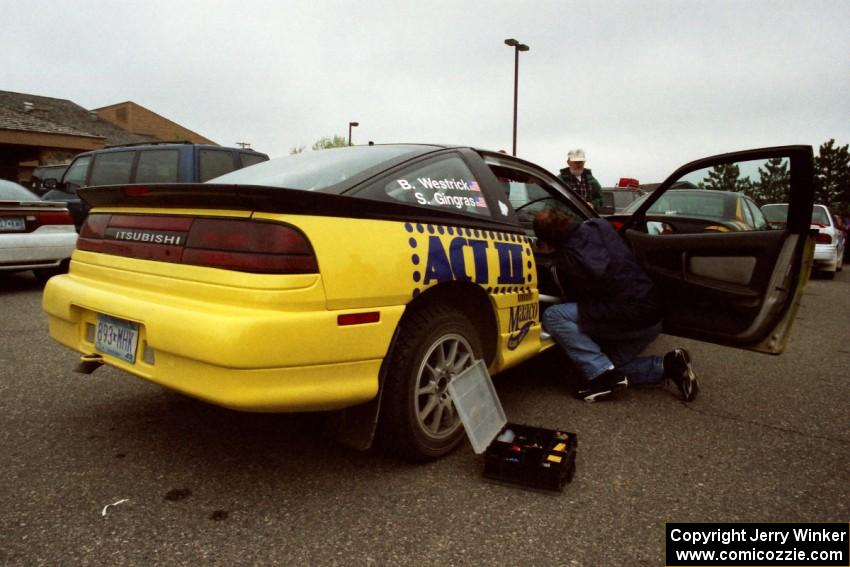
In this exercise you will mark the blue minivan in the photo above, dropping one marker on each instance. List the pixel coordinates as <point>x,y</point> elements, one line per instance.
<point>150,162</point>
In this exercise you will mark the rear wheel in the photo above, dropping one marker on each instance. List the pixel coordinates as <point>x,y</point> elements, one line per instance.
<point>418,419</point>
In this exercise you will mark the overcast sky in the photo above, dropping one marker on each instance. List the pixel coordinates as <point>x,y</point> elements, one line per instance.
<point>642,86</point>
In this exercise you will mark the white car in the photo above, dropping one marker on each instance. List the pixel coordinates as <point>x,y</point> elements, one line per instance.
<point>35,235</point>
<point>829,247</point>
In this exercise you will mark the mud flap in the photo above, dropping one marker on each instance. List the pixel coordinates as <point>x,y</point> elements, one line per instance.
<point>356,426</point>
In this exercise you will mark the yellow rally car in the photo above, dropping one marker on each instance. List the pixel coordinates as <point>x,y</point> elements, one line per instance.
<point>363,279</point>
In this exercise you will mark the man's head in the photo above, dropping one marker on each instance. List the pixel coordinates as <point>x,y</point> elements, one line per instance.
<point>576,159</point>
<point>553,226</point>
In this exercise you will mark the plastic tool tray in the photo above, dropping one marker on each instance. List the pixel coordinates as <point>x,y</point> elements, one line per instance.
<point>519,454</point>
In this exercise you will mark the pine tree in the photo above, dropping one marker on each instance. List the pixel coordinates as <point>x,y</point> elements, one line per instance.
<point>774,182</point>
<point>832,177</point>
<point>726,177</point>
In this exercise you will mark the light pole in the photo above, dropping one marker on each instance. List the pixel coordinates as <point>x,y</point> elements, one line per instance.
<point>350,126</point>
<point>517,48</point>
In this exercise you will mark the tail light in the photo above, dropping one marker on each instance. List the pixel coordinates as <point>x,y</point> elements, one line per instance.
<point>36,219</point>
<point>823,238</point>
<point>62,216</point>
<point>230,244</point>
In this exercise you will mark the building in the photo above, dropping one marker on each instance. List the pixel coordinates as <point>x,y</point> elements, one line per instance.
<point>38,130</point>
<point>137,119</point>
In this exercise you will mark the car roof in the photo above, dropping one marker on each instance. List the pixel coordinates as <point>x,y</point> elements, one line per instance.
<point>52,166</point>
<point>164,145</point>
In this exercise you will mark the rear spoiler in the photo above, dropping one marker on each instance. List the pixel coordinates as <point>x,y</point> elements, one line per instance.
<point>276,200</point>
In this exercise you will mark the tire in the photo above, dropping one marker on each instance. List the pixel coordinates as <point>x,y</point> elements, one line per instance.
<point>41,276</point>
<point>418,420</point>
<point>44,274</point>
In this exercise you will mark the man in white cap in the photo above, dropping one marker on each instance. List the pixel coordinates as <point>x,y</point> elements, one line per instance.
<point>580,179</point>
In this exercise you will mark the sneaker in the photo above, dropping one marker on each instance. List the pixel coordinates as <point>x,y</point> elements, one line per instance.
<point>602,386</point>
<point>678,369</point>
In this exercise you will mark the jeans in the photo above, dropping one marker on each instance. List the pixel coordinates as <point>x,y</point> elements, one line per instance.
<point>596,355</point>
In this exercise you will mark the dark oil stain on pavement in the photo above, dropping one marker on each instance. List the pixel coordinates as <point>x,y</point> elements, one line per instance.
<point>177,494</point>
<point>219,515</point>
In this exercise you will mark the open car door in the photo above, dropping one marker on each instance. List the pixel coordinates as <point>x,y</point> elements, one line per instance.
<point>731,281</point>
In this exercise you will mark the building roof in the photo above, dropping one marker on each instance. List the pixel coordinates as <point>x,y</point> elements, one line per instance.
<point>134,117</point>
<point>59,116</point>
<point>30,122</point>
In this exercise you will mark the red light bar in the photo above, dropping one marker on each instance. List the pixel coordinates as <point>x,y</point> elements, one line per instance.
<point>628,182</point>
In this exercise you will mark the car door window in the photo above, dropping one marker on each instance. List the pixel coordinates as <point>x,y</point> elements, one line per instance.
<point>112,168</point>
<point>714,199</point>
<point>157,166</point>
<point>444,183</point>
<point>214,163</point>
<point>747,213</point>
<point>759,220</point>
<point>250,159</point>
<point>528,195</point>
<point>75,177</point>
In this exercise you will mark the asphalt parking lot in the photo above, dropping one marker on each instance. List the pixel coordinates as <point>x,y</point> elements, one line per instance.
<point>768,440</point>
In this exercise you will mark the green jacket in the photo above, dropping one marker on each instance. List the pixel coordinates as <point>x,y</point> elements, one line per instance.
<point>594,190</point>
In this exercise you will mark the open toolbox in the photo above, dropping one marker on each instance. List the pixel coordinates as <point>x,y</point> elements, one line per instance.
<point>519,454</point>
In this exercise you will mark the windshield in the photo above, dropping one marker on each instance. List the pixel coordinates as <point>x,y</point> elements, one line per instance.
<point>316,170</point>
<point>49,172</point>
<point>820,216</point>
<point>10,191</point>
<point>691,203</point>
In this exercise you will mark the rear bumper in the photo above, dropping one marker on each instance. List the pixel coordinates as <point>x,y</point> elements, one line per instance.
<point>264,358</point>
<point>827,256</point>
<point>43,248</point>
<point>279,389</point>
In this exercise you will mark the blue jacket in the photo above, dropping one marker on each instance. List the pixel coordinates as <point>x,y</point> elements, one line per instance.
<point>599,273</point>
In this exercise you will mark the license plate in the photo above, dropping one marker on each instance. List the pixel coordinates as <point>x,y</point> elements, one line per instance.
<point>117,337</point>
<point>12,224</point>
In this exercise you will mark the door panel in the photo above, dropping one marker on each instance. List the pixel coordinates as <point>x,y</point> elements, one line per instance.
<point>724,276</point>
